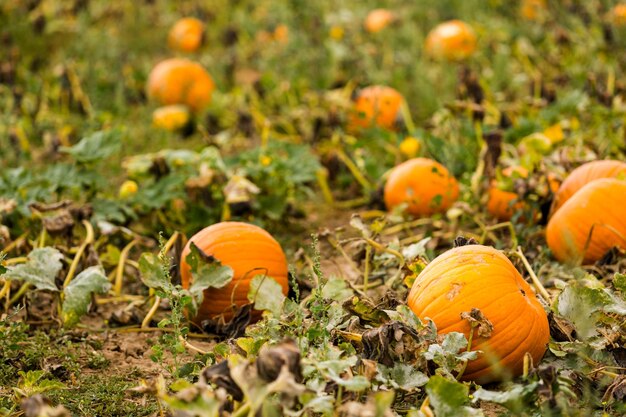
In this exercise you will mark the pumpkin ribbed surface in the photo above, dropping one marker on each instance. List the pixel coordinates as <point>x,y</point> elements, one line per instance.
<point>590,223</point>
<point>583,175</point>
<point>477,276</point>
<point>249,251</point>
<point>453,40</point>
<point>425,185</point>
<point>180,81</point>
<point>376,105</point>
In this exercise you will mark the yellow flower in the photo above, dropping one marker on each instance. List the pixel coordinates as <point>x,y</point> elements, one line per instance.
<point>554,133</point>
<point>265,160</point>
<point>174,117</point>
<point>336,32</point>
<point>410,147</point>
<point>128,188</point>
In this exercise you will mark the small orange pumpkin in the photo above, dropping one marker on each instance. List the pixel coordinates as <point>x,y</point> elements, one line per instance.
<point>425,185</point>
<point>180,81</point>
<point>187,35</point>
<point>503,204</point>
<point>376,105</point>
<point>377,20</point>
<point>589,223</point>
<point>618,15</point>
<point>583,175</point>
<point>532,9</point>
<point>481,277</point>
<point>453,41</point>
<point>249,251</point>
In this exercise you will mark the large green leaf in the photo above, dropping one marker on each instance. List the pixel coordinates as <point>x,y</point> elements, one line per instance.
<point>449,398</point>
<point>266,294</point>
<point>40,270</point>
<point>95,147</point>
<point>153,273</point>
<point>78,293</point>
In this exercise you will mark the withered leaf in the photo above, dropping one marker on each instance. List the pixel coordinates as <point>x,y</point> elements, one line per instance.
<point>272,359</point>
<point>478,320</point>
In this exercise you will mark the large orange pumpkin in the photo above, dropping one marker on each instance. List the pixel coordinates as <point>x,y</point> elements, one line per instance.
<point>583,175</point>
<point>377,20</point>
<point>503,204</point>
<point>453,40</point>
<point>186,35</point>
<point>590,223</point>
<point>180,81</point>
<point>376,106</point>
<point>249,251</point>
<point>481,277</point>
<point>424,185</point>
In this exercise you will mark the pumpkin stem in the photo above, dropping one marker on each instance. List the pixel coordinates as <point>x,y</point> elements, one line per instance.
<point>464,241</point>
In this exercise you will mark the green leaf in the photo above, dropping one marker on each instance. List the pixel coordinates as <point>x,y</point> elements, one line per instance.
<point>40,270</point>
<point>266,294</point>
<point>336,289</point>
<point>78,293</point>
<point>404,376</point>
<point>449,398</point>
<point>513,398</point>
<point>355,384</point>
<point>454,342</point>
<point>95,147</point>
<point>153,273</point>
<point>583,305</point>
<point>619,281</point>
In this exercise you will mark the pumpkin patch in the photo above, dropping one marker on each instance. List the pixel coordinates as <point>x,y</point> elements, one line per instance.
<point>386,209</point>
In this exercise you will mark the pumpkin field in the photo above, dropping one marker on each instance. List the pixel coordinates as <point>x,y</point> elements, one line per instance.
<point>263,208</point>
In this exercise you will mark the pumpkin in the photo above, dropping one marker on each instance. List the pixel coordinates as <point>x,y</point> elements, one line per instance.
<point>175,117</point>
<point>583,175</point>
<point>376,106</point>
<point>532,9</point>
<point>424,185</point>
<point>249,251</point>
<point>377,20</point>
<point>503,204</point>
<point>187,35</point>
<point>180,81</point>
<point>618,14</point>
<point>589,223</point>
<point>481,277</point>
<point>453,41</point>
<point>281,33</point>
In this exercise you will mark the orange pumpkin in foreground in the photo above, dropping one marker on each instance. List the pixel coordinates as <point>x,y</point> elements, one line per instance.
<point>481,277</point>
<point>249,251</point>
<point>585,174</point>
<point>180,81</point>
<point>377,20</point>
<point>504,204</point>
<point>186,35</point>
<point>590,223</point>
<point>453,40</point>
<point>424,185</point>
<point>376,106</point>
